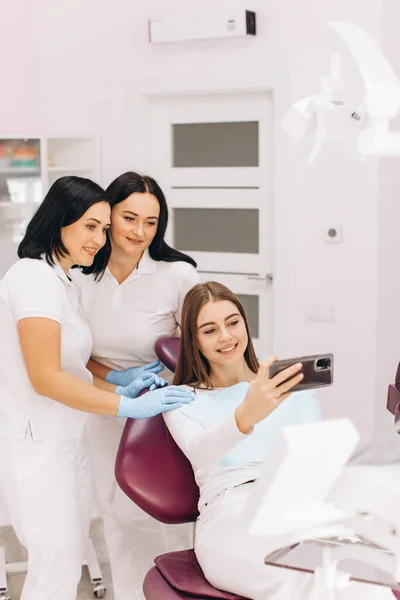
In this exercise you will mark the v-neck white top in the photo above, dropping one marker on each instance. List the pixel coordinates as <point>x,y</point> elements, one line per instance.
<point>126,319</point>
<point>33,288</point>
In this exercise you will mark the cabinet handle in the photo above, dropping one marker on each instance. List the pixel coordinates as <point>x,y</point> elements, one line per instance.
<point>268,278</point>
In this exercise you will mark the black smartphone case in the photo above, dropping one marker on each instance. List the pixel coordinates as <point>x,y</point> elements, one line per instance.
<point>313,377</point>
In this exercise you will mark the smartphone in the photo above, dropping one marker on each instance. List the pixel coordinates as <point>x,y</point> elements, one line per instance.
<point>317,370</point>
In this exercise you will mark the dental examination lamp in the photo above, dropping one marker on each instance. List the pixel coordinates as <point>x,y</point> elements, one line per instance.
<point>329,118</point>
<point>324,509</point>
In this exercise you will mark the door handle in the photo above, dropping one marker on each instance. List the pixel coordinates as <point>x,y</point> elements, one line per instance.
<point>268,278</point>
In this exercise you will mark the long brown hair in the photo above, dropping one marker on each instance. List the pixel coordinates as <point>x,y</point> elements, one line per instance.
<point>192,367</point>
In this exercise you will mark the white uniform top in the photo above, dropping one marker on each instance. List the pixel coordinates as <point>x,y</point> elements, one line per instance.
<point>126,319</point>
<point>32,288</point>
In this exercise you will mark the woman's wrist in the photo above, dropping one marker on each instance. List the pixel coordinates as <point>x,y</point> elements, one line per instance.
<point>243,422</point>
<point>104,385</point>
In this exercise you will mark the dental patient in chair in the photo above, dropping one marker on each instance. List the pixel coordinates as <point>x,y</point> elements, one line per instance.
<point>227,432</point>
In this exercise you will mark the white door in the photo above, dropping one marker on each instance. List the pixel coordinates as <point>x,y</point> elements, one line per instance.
<point>212,156</point>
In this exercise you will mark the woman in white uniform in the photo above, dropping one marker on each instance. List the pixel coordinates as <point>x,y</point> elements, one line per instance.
<point>138,300</point>
<point>46,390</point>
<point>226,433</point>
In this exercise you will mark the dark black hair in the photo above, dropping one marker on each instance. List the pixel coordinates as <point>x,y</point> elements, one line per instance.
<point>66,202</point>
<point>132,183</point>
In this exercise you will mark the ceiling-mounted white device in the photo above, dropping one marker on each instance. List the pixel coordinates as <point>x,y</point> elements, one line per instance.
<point>235,23</point>
<point>328,117</point>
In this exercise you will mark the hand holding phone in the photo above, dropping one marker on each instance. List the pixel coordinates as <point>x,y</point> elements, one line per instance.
<point>265,394</point>
<point>317,371</point>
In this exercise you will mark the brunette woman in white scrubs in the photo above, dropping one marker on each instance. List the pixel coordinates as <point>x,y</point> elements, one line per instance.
<point>46,390</point>
<point>138,300</point>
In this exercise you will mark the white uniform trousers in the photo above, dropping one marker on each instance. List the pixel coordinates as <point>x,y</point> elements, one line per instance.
<point>233,560</point>
<point>48,491</point>
<point>133,538</point>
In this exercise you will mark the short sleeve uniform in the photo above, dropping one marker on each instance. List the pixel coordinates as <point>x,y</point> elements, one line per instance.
<point>126,319</point>
<point>33,288</point>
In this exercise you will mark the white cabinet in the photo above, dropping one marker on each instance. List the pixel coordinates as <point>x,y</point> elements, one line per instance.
<point>69,156</point>
<point>45,158</point>
<point>29,165</point>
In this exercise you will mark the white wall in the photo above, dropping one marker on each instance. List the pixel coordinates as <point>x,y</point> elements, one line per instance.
<point>338,189</point>
<point>388,313</point>
<point>88,53</point>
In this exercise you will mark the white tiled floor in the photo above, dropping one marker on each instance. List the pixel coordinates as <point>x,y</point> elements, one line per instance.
<point>16,553</point>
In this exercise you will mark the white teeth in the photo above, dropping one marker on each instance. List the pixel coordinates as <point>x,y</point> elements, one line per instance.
<point>227,349</point>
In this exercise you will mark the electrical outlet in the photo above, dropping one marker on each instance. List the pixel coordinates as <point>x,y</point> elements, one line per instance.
<point>333,234</point>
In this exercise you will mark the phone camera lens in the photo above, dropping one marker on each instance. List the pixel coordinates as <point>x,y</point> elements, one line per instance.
<point>323,363</point>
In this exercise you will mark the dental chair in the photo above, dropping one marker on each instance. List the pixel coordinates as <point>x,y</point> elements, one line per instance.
<point>153,471</point>
<point>393,397</point>
<point>393,406</point>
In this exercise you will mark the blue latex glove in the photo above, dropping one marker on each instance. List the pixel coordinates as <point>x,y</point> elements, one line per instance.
<point>145,380</point>
<point>124,378</point>
<point>154,403</point>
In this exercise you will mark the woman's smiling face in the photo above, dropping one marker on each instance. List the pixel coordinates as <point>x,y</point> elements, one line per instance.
<point>221,332</point>
<point>134,222</point>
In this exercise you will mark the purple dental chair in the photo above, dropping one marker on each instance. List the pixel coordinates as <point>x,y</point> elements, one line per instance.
<point>153,471</point>
<point>393,406</point>
<point>393,397</point>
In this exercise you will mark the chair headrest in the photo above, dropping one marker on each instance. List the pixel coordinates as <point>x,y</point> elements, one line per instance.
<point>167,350</point>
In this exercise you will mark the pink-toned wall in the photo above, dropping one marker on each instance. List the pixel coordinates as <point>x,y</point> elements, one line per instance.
<point>68,65</point>
<point>18,66</point>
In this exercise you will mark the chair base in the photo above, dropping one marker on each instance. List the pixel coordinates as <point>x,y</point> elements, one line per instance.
<point>179,575</point>
<point>156,587</point>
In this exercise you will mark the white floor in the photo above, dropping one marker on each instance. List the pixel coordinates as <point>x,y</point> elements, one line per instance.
<point>16,553</point>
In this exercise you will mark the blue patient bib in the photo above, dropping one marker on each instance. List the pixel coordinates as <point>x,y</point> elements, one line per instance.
<point>210,407</point>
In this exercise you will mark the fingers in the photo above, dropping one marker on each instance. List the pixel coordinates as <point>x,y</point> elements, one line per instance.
<point>154,367</point>
<point>154,381</point>
<point>286,374</point>
<point>173,399</point>
<point>139,386</point>
<point>155,363</point>
<point>288,385</point>
<point>179,395</point>
<point>176,389</point>
<point>263,371</point>
<point>147,376</point>
<point>159,381</point>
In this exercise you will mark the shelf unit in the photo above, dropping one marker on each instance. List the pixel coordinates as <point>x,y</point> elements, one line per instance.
<point>72,155</point>
<point>57,155</point>
<point>13,171</point>
<point>23,187</point>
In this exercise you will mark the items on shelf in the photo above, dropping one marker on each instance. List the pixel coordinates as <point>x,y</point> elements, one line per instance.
<point>5,155</point>
<point>19,154</point>
<point>25,155</point>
